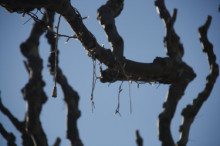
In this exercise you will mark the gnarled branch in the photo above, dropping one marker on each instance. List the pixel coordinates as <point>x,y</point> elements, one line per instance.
<point>190,111</point>
<point>33,91</point>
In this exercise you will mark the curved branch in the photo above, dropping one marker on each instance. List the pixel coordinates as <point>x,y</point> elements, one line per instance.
<point>176,91</point>
<point>106,15</point>
<point>190,111</point>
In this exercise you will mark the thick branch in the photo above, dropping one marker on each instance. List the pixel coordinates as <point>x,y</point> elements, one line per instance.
<point>176,91</point>
<point>190,111</point>
<point>8,136</point>
<point>33,91</point>
<point>157,72</point>
<point>106,15</point>
<point>162,70</point>
<point>171,41</point>
<point>70,96</point>
<point>175,51</point>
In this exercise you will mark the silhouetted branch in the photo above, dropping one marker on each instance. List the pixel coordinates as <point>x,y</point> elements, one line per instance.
<point>8,136</point>
<point>162,70</point>
<point>70,96</point>
<point>33,91</point>
<point>57,142</point>
<point>139,139</point>
<point>19,125</point>
<point>106,15</point>
<point>190,111</point>
<point>172,41</point>
<point>176,91</point>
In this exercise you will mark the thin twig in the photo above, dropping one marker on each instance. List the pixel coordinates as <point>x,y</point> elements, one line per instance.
<point>119,91</point>
<point>129,86</point>
<point>94,78</point>
<point>54,94</point>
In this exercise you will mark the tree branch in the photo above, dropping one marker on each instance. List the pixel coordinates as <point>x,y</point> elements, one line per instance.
<point>8,136</point>
<point>175,51</point>
<point>106,15</point>
<point>70,96</point>
<point>57,142</point>
<point>162,70</point>
<point>33,91</point>
<point>139,139</point>
<point>171,41</point>
<point>19,125</point>
<point>26,139</point>
<point>190,111</point>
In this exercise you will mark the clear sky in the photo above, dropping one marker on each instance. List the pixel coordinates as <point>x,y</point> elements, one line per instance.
<point>143,32</point>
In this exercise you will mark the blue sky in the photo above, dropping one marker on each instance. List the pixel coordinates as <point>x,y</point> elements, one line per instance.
<point>143,32</point>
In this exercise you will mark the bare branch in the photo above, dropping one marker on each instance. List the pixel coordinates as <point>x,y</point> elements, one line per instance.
<point>57,142</point>
<point>161,70</point>
<point>139,139</point>
<point>172,41</point>
<point>8,136</point>
<point>190,111</point>
<point>33,91</point>
<point>118,106</point>
<point>19,125</point>
<point>106,15</point>
<point>71,97</point>
<point>175,51</point>
<point>54,93</point>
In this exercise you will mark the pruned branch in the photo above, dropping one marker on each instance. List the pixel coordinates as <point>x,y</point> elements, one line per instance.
<point>190,111</point>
